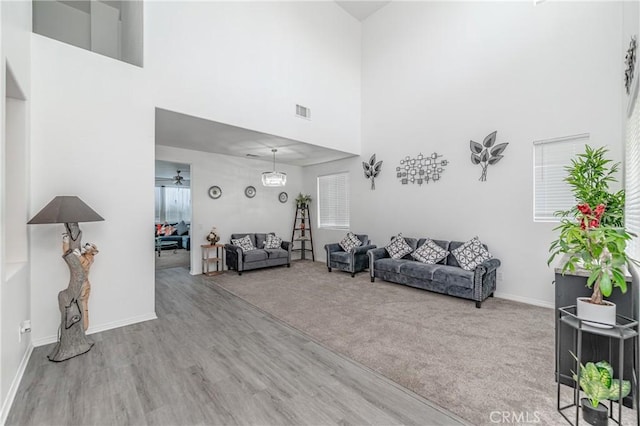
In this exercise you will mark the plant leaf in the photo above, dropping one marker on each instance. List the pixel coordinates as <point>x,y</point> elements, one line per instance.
<point>605,285</point>
<point>377,167</point>
<point>475,159</point>
<point>368,173</point>
<point>484,157</point>
<point>372,160</point>
<point>614,390</point>
<point>490,139</point>
<point>476,148</point>
<point>499,149</point>
<point>495,159</point>
<point>365,166</point>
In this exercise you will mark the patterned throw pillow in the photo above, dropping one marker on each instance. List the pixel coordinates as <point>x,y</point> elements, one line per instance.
<point>398,247</point>
<point>244,243</point>
<point>272,242</point>
<point>350,242</point>
<point>471,254</point>
<point>429,252</point>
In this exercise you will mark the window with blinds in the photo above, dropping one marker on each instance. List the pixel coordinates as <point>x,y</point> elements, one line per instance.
<point>632,181</point>
<point>333,201</point>
<point>551,157</point>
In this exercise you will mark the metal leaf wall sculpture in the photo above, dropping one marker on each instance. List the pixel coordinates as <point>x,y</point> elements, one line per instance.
<point>486,153</point>
<point>372,170</point>
<point>630,61</point>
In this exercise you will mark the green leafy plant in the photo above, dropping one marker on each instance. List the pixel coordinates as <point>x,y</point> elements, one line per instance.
<point>598,384</point>
<point>302,200</point>
<point>593,238</point>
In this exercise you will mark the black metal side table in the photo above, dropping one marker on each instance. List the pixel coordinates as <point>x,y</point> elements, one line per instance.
<point>626,329</point>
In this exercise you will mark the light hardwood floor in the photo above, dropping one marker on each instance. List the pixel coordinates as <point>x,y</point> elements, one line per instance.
<point>211,358</point>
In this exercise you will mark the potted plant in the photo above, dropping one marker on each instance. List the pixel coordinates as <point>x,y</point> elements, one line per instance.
<point>598,384</point>
<point>302,200</point>
<point>591,234</point>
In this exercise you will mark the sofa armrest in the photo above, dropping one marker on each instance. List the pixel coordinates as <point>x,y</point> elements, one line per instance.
<point>286,245</point>
<point>330,248</point>
<point>364,249</point>
<point>234,256</point>
<point>490,265</point>
<point>484,279</point>
<point>375,254</point>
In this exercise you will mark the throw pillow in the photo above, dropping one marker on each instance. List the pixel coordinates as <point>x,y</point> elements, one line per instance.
<point>169,230</point>
<point>429,252</point>
<point>272,242</point>
<point>244,243</point>
<point>350,242</point>
<point>471,254</point>
<point>182,228</point>
<point>398,247</point>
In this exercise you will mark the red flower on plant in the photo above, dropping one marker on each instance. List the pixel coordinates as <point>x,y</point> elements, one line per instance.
<point>584,208</point>
<point>599,210</point>
<point>594,223</point>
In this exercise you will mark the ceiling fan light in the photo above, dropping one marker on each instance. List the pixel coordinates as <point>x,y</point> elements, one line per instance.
<point>274,178</point>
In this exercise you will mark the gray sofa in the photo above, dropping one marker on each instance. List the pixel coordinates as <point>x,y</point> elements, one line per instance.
<point>240,260</point>
<point>354,261</point>
<point>445,277</point>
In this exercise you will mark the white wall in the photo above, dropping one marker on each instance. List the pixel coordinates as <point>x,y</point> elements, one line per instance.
<point>249,63</point>
<point>15,27</point>
<point>436,75</point>
<point>93,133</point>
<point>92,136</point>
<point>233,212</point>
<point>62,22</point>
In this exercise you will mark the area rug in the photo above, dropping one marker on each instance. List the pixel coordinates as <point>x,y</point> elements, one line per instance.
<point>489,365</point>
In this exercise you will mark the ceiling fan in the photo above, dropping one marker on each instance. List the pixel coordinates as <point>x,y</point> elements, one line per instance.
<point>177,180</point>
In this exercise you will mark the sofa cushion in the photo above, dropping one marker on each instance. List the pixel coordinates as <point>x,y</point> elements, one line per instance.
<point>453,275</point>
<point>429,252</point>
<point>277,253</point>
<point>341,257</point>
<point>350,242</point>
<point>398,247</point>
<point>471,254</point>
<point>244,243</point>
<point>255,255</point>
<point>182,228</point>
<point>272,242</point>
<point>419,270</point>
<point>260,239</point>
<point>390,265</point>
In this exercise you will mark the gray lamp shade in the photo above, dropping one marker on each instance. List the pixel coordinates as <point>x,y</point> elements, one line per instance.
<point>66,209</point>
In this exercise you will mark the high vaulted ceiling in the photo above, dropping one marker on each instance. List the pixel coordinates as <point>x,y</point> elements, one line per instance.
<point>361,10</point>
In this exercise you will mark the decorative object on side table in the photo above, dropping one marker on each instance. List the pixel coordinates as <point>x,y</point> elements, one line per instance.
<point>630,61</point>
<point>71,210</point>
<point>250,191</point>
<point>486,154</point>
<point>421,169</point>
<point>214,192</point>
<point>213,236</point>
<point>372,170</point>
<point>593,238</point>
<point>597,383</point>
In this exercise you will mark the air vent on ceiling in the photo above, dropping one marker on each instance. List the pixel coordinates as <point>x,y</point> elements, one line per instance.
<point>252,155</point>
<point>303,112</point>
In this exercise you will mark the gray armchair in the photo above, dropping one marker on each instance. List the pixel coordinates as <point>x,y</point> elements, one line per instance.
<point>354,261</point>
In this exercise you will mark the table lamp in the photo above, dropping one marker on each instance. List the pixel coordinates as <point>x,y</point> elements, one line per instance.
<point>71,210</point>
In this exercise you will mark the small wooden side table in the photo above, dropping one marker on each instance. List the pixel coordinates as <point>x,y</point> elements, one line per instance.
<point>207,260</point>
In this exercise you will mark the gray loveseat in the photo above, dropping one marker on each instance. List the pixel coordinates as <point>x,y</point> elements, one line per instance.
<point>445,277</point>
<point>259,257</point>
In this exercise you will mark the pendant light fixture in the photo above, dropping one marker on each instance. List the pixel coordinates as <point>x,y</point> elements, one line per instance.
<point>274,178</point>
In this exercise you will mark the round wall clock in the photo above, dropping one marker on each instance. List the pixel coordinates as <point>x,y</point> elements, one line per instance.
<point>215,192</point>
<point>250,191</point>
<point>283,197</point>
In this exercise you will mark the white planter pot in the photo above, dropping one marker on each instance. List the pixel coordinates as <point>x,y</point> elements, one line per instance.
<point>603,315</point>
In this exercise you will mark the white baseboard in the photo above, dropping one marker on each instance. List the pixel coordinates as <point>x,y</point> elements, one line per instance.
<point>15,383</point>
<point>527,300</point>
<point>102,327</point>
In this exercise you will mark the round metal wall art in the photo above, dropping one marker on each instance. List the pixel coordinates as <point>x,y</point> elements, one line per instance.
<point>250,191</point>
<point>215,192</point>
<point>283,197</point>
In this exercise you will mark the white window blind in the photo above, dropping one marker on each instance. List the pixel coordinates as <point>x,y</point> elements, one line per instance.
<point>333,201</point>
<point>632,181</point>
<point>551,157</point>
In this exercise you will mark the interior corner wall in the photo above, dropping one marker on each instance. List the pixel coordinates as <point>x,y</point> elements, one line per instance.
<point>437,75</point>
<point>15,53</point>
<point>233,212</point>
<point>92,136</point>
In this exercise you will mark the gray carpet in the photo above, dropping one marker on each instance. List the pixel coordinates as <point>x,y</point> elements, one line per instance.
<point>474,362</point>
<point>169,259</point>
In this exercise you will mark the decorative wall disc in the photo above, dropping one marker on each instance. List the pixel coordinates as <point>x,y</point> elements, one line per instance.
<point>250,191</point>
<point>283,197</point>
<point>215,192</point>
<point>421,169</point>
